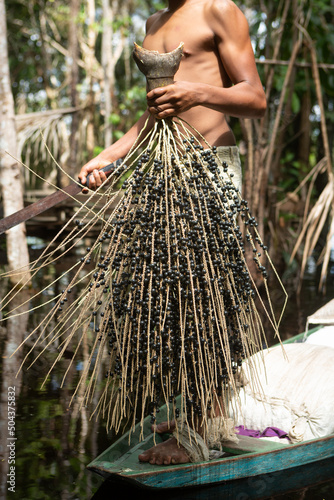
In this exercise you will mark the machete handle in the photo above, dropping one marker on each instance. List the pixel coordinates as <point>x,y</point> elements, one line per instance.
<point>107,169</point>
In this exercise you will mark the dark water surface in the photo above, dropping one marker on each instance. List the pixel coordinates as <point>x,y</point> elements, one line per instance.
<point>51,441</point>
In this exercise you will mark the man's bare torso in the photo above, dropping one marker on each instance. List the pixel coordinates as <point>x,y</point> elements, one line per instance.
<point>200,62</point>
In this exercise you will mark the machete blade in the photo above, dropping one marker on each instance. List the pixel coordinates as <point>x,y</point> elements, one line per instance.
<point>49,201</point>
<point>38,207</point>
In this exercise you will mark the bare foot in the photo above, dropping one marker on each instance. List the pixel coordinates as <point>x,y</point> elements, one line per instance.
<point>164,427</point>
<point>166,453</point>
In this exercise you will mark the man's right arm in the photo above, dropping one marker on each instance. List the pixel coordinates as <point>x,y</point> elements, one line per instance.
<point>117,150</point>
<point>112,153</point>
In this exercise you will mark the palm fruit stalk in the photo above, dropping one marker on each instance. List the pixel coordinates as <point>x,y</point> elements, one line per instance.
<point>169,307</point>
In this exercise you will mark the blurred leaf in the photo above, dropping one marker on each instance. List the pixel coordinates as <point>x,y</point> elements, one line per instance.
<point>295,103</point>
<point>118,134</point>
<point>114,119</point>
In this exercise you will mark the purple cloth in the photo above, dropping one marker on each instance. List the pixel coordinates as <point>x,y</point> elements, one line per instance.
<point>268,432</point>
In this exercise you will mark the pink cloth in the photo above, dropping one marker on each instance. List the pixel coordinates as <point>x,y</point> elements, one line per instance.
<point>268,432</point>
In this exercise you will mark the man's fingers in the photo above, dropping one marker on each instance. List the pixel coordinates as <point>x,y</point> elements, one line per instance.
<point>92,181</point>
<point>155,93</point>
<point>96,179</point>
<point>157,102</point>
<point>103,177</point>
<point>162,102</point>
<point>82,178</point>
<point>162,111</point>
<point>92,172</point>
<point>168,111</point>
<point>154,110</point>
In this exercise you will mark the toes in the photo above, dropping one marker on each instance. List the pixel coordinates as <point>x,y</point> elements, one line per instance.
<point>164,427</point>
<point>144,457</point>
<point>165,453</point>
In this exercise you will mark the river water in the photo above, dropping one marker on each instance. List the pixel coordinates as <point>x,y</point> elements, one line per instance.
<point>46,443</point>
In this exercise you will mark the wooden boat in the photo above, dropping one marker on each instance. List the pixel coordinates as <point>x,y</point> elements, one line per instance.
<point>296,480</point>
<point>247,458</point>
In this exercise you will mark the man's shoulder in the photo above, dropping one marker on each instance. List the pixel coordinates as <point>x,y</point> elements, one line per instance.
<point>225,14</point>
<point>223,8</point>
<point>154,17</point>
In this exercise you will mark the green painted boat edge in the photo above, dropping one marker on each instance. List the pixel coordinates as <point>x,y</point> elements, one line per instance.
<point>300,337</point>
<point>244,465</point>
<point>221,470</point>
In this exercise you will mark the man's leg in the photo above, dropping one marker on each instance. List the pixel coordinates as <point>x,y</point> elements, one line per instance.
<point>170,452</point>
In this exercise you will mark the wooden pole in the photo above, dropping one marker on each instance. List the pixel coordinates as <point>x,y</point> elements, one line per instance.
<point>299,64</point>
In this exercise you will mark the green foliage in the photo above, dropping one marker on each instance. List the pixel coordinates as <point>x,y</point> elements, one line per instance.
<point>97,150</point>
<point>293,172</point>
<point>134,102</point>
<point>118,134</point>
<point>114,119</point>
<point>154,5</point>
<point>295,104</point>
<point>29,52</point>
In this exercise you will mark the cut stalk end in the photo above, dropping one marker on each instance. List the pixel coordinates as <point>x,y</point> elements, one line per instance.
<point>159,69</point>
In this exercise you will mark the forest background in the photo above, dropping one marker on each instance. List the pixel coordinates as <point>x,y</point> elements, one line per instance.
<point>71,76</point>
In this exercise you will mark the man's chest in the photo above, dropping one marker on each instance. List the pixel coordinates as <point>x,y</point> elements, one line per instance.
<point>165,34</point>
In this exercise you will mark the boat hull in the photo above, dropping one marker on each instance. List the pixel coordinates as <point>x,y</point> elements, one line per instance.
<point>213,472</point>
<point>250,458</point>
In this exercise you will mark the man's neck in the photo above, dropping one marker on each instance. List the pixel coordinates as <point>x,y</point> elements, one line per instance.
<point>176,4</point>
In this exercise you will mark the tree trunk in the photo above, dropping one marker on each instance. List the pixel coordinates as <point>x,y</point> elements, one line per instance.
<point>11,381</point>
<point>90,61</point>
<point>108,68</point>
<point>10,171</point>
<point>74,80</point>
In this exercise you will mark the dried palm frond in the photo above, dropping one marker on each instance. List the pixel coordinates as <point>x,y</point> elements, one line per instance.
<point>323,210</point>
<point>37,129</point>
<point>314,222</point>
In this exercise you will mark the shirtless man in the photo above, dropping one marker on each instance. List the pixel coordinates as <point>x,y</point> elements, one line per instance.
<point>217,77</point>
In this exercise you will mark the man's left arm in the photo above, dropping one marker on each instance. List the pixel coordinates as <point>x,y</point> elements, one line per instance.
<point>244,98</point>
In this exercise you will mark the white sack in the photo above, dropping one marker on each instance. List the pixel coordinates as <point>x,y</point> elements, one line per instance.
<point>298,388</point>
<point>324,336</point>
